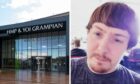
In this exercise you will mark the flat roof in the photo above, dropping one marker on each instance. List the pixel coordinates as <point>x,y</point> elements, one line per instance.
<point>50,19</point>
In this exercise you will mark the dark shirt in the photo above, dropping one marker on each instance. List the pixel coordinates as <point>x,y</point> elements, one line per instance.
<point>78,52</point>
<point>81,74</point>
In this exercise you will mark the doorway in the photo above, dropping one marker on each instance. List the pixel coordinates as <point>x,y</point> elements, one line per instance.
<point>41,63</point>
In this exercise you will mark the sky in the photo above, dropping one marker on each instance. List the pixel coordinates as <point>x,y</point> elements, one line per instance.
<point>16,11</point>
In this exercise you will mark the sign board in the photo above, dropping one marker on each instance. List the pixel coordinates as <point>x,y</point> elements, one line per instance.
<point>35,28</point>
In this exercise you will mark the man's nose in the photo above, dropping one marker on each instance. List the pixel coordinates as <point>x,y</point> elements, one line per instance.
<point>103,46</point>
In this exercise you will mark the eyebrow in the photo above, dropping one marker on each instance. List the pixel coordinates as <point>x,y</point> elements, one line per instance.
<point>121,35</point>
<point>98,27</point>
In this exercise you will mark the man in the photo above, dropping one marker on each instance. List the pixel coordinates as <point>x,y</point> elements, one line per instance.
<point>76,51</point>
<point>112,30</point>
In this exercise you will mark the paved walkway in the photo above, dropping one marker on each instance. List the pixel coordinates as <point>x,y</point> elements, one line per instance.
<point>29,77</point>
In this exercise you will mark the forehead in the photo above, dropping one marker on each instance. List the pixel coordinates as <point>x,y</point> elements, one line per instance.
<point>107,29</point>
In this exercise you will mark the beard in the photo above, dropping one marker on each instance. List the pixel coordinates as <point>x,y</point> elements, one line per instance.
<point>99,64</point>
<point>99,68</point>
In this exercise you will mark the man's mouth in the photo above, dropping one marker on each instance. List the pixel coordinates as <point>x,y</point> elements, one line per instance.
<point>102,59</point>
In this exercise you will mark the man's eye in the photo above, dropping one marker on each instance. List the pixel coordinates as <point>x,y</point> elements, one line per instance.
<point>118,40</point>
<point>97,33</point>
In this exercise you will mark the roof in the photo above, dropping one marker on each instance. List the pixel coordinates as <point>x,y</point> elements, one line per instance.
<point>50,19</point>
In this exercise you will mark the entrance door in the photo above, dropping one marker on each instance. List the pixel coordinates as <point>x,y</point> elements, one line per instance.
<point>48,61</point>
<point>41,63</point>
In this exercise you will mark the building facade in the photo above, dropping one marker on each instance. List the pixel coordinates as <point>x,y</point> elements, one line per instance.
<point>41,44</point>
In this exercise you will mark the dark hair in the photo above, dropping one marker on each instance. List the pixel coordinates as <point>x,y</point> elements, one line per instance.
<point>77,42</point>
<point>117,15</point>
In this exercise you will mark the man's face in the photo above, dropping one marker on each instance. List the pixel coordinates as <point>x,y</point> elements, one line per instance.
<point>105,47</point>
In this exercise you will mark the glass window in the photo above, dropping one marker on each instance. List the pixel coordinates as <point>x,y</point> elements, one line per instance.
<point>54,53</point>
<point>17,44</point>
<point>24,54</point>
<point>29,53</point>
<point>20,44</point>
<point>44,52</point>
<point>62,52</point>
<point>55,40</point>
<point>29,43</point>
<point>34,43</point>
<point>49,44</point>
<point>25,44</point>
<point>62,41</point>
<point>49,52</point>
<point>38,52</point>
<point>34,52</point>
<point>17,54</point>
<point>42,44</point>
<point>20,54</point>
<point>4,47</point>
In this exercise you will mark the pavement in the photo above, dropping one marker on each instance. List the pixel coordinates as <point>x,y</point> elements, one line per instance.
<point>30,77</point>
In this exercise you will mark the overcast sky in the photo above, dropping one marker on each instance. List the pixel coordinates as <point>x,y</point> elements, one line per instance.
<point>15,11</point>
